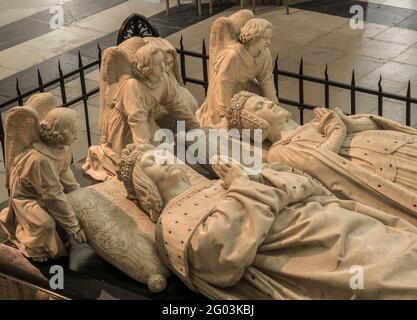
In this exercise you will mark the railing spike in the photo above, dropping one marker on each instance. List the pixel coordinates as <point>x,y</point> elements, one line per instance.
<point>380,97</point>
<point>301,66</point>
<point>353,77</point>
<point>17,86</point>
<point>40,78</point>
<point>203,49</point>
<point>99,54</point>
<point>19,93</point>
<point>60,68</point>
<point>408,105</point>
<point>276,62</point>
<point>181,43</point>
<point>80,60</point>
<point>326,72</point>
<point>40,81</point>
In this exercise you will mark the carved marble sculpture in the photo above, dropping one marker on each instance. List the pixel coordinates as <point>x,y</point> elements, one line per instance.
<point>271,236</point>
<point>120,231</point>
<point>12,259</point>
<point>131,98</point>
<point>38,174</point>
<point>239,60</point>
<point>42,103</point>
<point>366,158</point>
<point>172,68</point>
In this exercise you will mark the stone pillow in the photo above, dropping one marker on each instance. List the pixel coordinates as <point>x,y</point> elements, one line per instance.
<point>120,232</point>
<point>119,238</point>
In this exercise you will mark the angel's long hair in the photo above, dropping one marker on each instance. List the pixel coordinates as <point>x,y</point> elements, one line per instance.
<point>142,62</point>
<point>253,30</point>
<point>57,124</point>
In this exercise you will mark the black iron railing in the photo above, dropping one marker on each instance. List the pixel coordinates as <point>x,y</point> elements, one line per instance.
<point>302,78</point>
<point>61,82</point>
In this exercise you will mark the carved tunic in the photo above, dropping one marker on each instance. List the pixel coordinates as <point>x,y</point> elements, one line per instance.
<point>381,171</point>
<point>136,107</point>
<point>235,70</point>
<point>40,178</point>
<point>284,236</point>
<point>132,119</point>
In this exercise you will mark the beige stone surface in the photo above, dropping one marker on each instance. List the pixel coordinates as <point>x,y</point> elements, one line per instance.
<point>240,60</point>
<point>39,156</point>
<point>238,259</point>
<point>140,82</point>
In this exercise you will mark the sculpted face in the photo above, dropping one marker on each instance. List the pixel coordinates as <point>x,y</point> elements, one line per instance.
<point>263,42</point>
<point>169,62</point>
<point>157,168</point>
<point>70,135</point>
<point>267,110</point>
<point>158,65</point>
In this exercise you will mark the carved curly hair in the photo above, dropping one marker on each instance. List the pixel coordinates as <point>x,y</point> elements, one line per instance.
<point>141,64</point>
<point>58,123</point>
<point>253,30</point>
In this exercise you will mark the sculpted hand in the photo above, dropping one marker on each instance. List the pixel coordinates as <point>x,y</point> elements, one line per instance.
<point>80,236</point>
<point>326,117</point>
<point>332,127</point>
<point>228,172</point>
<point>321,113</point>
<point>349,122</point>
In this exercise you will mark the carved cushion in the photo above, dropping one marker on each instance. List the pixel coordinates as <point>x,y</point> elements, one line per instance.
<point>120,232</point>
<point>118,237</point>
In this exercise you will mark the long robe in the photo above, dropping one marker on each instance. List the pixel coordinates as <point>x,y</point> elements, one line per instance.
<point>132,120</point>
<point>235,70</point>
<point>284,236</point>
<point>39,178</point>
<point>375,167</point>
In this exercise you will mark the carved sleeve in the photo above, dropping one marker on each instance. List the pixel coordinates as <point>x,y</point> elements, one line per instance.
<point>225,244</point>
<point>266,78</point>
<point>335,131</point>
<point>67,177</point>
<point>361,124</point>
<point>355,124</point>
<point>177,105</point>
<point>137,111</point>
<point>45,179</point>
<point>227,79</point>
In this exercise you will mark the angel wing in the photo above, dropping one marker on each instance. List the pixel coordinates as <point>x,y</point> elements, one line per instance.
<point>223,33</point>
<point>42,103</point>
<point>115,67</point>
<point>240,18</point>
<point>131,45</point>
<point>21,130</point>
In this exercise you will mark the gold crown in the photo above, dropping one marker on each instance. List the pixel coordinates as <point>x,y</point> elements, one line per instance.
<point>130,155</point>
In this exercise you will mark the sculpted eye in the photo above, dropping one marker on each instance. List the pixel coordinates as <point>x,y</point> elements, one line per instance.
<point>149,161</point>
<point>259,106</point>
